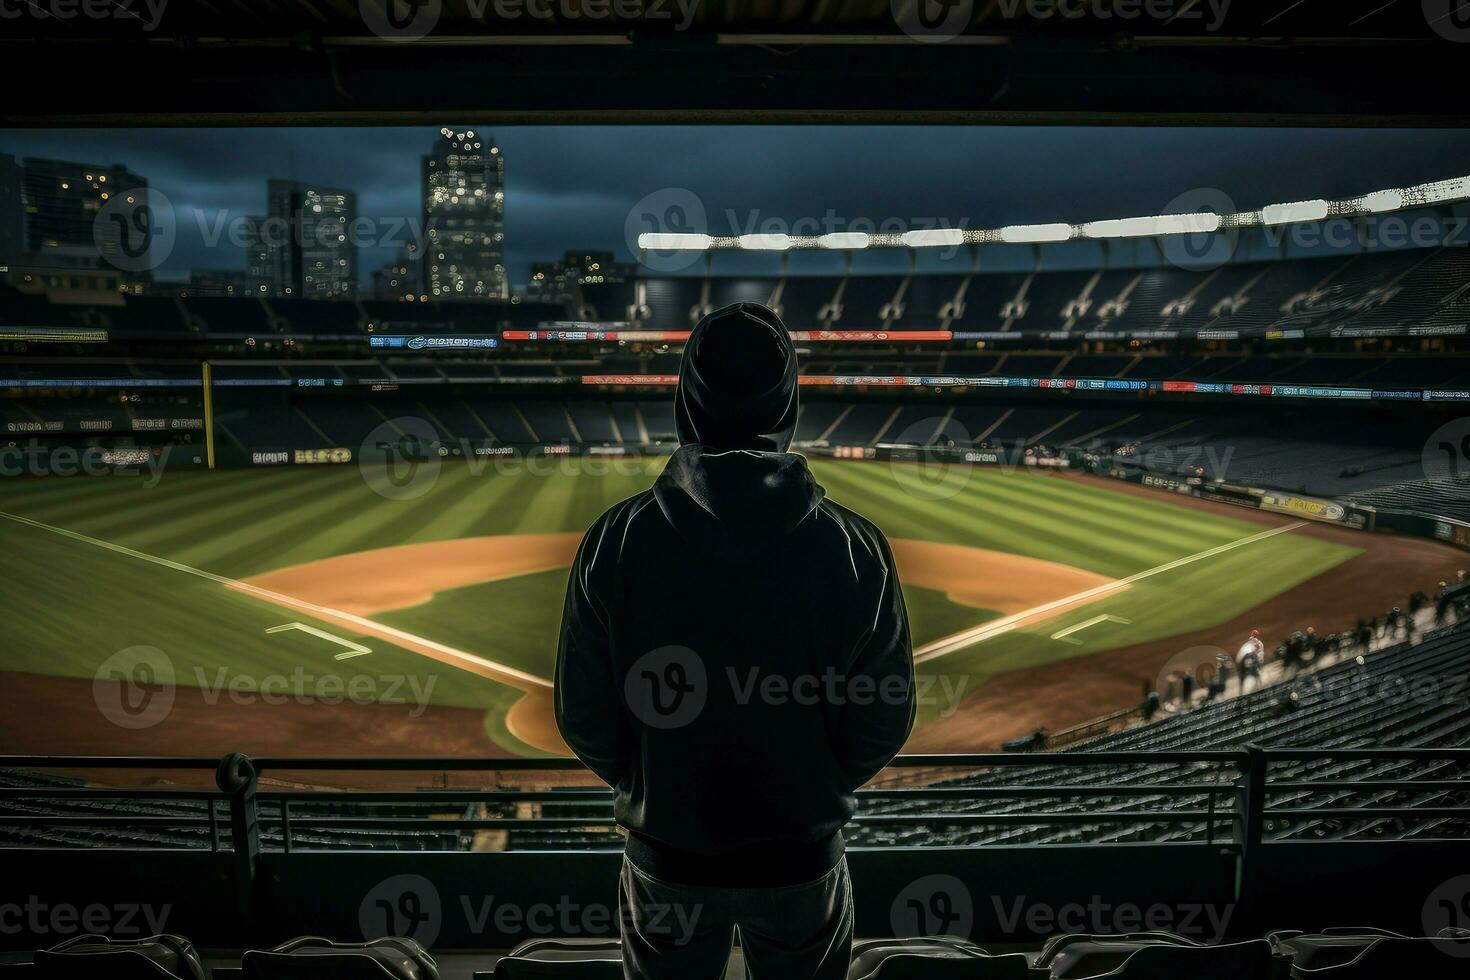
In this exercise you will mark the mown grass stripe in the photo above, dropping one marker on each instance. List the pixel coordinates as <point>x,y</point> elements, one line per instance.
<point>1137,534</point>
<point>1004,525</point>
<point>297,535</point>
<point>98,499</point>
<point>210,534</point>
<point>1100,499</point>
<point>463,508</point>
<point>1030,499</point>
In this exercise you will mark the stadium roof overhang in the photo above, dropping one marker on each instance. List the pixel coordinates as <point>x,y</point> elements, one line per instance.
<point>233,62</point>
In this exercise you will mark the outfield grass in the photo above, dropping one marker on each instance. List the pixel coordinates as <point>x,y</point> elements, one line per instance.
<point>70,604</point>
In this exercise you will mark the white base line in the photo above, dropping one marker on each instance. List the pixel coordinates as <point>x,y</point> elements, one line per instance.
<point>997,627</point>
<point>369,626</point>
<point>1088,624</point>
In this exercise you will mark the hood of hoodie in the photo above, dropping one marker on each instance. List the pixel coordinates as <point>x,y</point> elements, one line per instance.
<point>732,489</point>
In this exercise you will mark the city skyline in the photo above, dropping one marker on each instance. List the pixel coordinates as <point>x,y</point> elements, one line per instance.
<point>578,188</point>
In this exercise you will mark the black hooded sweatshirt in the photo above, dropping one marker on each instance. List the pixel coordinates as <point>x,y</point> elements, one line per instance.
<point>735,657</point>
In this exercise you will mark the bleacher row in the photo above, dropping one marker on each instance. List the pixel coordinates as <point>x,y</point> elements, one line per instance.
<point>1424,289</point>
<point>1341,953</point>
<point>1290,447</point>
<point>1445,498</point>
<point>1399,371</point>
<point>1357,371</point>
<point>33,795</point>
<point>101,414</point>
<point>1386,290</point>
<point>181,318</point>
<point>1286,449</point>
<point>1404,696</point>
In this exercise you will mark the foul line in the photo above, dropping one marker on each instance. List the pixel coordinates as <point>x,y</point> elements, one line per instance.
<point>438,651</point>
<point>997,627</point>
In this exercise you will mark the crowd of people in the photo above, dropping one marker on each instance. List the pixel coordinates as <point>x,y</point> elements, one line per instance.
<point>1306,648</point>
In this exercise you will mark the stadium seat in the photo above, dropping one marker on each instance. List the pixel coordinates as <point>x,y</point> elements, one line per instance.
<point>869,955</point>
<point>312,958</point>
<point>1238,961</point>
<point>154,958</point>
<point>1333,946</point>
<point>569,949</point>
<point>517,968</point>
<point>1080,955</point>
<point>535,959</point>
<point>928,966</point>
<point>1382,957</point>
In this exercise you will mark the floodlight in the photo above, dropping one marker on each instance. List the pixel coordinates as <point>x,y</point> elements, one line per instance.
<point>1035,234</point>
<point>660,241</point>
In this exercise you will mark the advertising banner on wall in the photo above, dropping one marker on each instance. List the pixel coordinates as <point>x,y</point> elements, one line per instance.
<point>1313,508</point>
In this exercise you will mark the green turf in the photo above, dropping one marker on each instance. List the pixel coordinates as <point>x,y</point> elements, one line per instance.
<point>932,615</point>
<point>526,613</point>
<point>69,605</point>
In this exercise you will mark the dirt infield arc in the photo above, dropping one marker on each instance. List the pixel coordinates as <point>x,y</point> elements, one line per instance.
<point>384,579</point>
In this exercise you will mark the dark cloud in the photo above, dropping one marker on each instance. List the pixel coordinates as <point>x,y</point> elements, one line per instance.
<point>573,187</point>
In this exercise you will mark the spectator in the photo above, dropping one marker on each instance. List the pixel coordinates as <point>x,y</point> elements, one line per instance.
<point>1363,635</point>
<point>1249,658</point>
<point>736,806</point>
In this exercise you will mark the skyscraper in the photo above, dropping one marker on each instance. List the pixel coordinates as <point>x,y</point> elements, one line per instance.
<point>563,281</point>
<point>307,240</point>
<point>262,256</point>
<point>78,227</point>
<point>399,280</point>
<point>61,201</point>
<point>464,210</point>
<point>12,221</point>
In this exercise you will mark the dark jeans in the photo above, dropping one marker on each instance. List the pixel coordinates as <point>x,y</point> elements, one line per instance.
<point>683,932</point>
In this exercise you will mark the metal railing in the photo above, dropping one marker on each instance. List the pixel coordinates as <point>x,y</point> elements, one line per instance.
<point>1231,795</point>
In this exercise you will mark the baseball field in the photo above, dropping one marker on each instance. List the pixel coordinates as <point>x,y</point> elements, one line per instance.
<point>308,611</point>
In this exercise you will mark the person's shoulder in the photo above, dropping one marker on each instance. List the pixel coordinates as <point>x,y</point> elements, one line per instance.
<point>862,534</point>
<point>606,535</point>
<point>849,518</point>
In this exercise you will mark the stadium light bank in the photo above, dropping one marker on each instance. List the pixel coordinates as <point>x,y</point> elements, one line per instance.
<point>1448,191</point>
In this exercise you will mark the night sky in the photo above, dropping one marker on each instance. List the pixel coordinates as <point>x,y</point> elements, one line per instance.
<point>573,187</point>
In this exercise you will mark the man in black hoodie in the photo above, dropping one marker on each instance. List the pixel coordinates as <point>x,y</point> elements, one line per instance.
<point>735,662</point>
